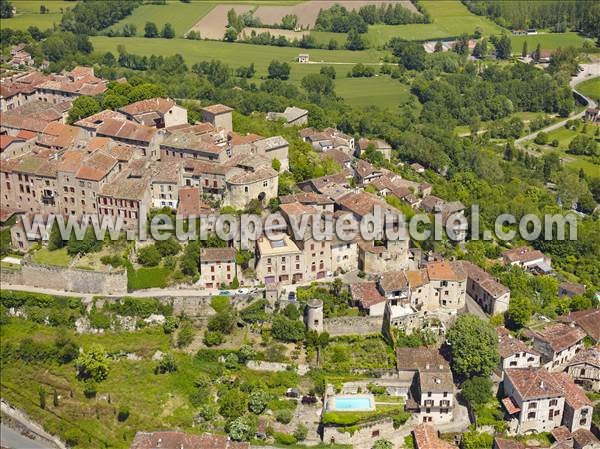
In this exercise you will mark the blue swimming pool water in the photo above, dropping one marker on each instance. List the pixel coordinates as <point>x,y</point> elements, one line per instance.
<point>358,403</point>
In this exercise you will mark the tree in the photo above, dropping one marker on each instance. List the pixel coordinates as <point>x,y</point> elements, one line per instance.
<point>474,346</point>
<point>285,329</point>
<point>6,9</point>
<point>524,50</point>
<point>541,138</point>
<point>279,70</point>
<point>168,32</point>
<point>186,334</point>
<point>55,240</point>
<point>355,41</point>
<point>504,47</point>
<point>257,401</point>
<point>92,364</point>
<point>88,244</point>
<point>242,428</point>
<point>166,365</point>
<point>233,403</point>
<point>318,84</point>
<point>300,432</point>
<point>42,396</point>
<point>149,256</point>
<point>410,54</point>
<point>231,34</point>
<point>150,30</point>
<point>55,401</point>
<point>439,47</point>
<point>169,247</point>
<point>474,440</point>
<point>461,46</point>
<point>223,321</point>
<point>519,313</point>
<point>328,71</point>
<point>478,390</point>
<point>383,444</point>
<point>83,106</point>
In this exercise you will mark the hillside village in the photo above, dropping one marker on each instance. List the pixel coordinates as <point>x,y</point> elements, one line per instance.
<point>149,154</point>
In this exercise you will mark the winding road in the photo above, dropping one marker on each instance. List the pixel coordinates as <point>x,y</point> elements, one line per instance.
<point>588,72</point>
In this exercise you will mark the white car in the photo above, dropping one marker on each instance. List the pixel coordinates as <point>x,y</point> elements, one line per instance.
<point>242,291</point>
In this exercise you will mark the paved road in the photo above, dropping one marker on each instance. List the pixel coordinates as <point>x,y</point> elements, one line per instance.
<point>589,71</point>
<point>14,440</point>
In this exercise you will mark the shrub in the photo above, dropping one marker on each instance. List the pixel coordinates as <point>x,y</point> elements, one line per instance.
<point>301,432</point>
<point>213,338</point>
<point>149,256</point>
<point>90,390</point>
<point>171,323</point>
<point>123,413</point>
<point>284,438</point>
<point>185,335</point>
<point>166,365</point>
<point>283,416</point>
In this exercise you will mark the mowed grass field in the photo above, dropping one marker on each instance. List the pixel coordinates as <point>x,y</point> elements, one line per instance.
<point>236,55</point>
<point>590,88</point>
<point>181,15</point>
<point>379,90</point>
<point>550,41</point>
<point>28,14</point>
<point>450,18</point>
<point>564,137</point>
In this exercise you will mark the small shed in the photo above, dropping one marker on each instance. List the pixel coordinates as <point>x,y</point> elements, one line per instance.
<point>303,58</point>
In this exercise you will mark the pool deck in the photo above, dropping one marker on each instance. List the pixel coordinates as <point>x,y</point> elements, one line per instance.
<point>330,406</point>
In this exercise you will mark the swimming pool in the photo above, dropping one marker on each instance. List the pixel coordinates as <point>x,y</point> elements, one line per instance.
<point>352,403</point>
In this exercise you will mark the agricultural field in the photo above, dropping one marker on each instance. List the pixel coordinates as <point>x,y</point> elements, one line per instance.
<point>236,55</point>
<point>550,41</point>
<point>28,14</point>
<point>380,90</point>
<point>590,88</point>
<point>564,137</point>
<point>181,15</point>
<point>450,18</point>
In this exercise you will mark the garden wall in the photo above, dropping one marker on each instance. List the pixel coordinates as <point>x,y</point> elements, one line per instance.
<point>72,279</point>
<point>353,325</point>
<point>363,437</point>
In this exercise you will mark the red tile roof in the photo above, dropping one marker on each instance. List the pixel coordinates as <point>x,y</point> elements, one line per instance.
<point>426,437</point>
<point>217,254</point>
<point>182,440</point>
<point>366,294</point>
<point>560,336</point>
<point>534,383</point>
<point>160,105</point>
<point>217,109</point>
<point>588,320</point>
<point>190,202</point>
<point>574,394</point>
<point>6,140</point>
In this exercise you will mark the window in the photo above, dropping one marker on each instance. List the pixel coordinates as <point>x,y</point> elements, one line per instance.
<point>534,405</point>
<point>553,402</point>
<point>531,415</point>
<point>246,189</point>
<point>513,363</point>
<point>265,183</point>
<point>583,422</point>
<point>375,434</point>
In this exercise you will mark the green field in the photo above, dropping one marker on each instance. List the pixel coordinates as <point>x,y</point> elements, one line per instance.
<point>236,55</point>
<point>450,18</point>
<point>380,90</point>
<point>590,88</point>
<point>181,15</point>
<point>57,257</point>
<point>550,41</point>
<point>28,14</point>
<point>564,137</point>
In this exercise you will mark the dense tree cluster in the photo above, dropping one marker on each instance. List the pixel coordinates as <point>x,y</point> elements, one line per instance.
<point>90,16</point>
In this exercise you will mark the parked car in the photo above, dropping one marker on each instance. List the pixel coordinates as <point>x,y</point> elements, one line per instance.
<point>292,296</point>
<point>309,400</point>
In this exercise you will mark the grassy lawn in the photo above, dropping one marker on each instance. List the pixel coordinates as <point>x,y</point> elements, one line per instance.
<point>181,15</point>
<point>154,277</point>
<point>564,137</point>
<point>550,41</point>
<point>381,90</point>
<point>28,14</point>
<point>57,257</point>
<point>590,88</point>
<point>344,354</point>
<point>236,55</point>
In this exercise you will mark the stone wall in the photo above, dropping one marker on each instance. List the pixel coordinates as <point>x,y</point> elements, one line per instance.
<point>72,279</point>
<point>363,437</point>
<point>8,276</point>
<point>353,325</point>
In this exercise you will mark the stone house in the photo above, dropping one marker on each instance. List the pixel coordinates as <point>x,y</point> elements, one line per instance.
<point>19,89</point>
<point>558,344</point>
<point>448,285</point>
<point>15,146</point>
<point>320,202</point>
<point>527,258</point>
<point>275,147</point>
<point>70,85</point>
<point>426,437</point>
<point>492,296</point>
<point>217,267</point>
<point>344,255</point>
<point>570,289</point>
<point>585,368</point>
<point>127,195</point>
<point>190,203</point>
<point>534,401</point>
<point>186,144</point>
<point>156,113</point>
<point>244,184</point>
<point>219,115</point>
<point>367,297</point>
<point>366,172</point>
<point>578,408</point>
<point>278,260</point>
<point>208,177</point>
<point>328,139</point>
<point>292,116</point>
<point>378,144</point>
<point>93,122</point>
<point>164,184</point>
<point>432,395</point>
<point>132,133</point>
<point>586,320</point>
<point>514,353</point>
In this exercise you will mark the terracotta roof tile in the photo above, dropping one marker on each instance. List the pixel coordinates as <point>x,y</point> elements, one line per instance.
<point>574,394</point>
<point>534,383</point>
<point>559,336</point>
<point>190,202</point>
<point>366,293</point>
<point>588,320</point>
<point>217,254</point>
<point>426,437</point>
